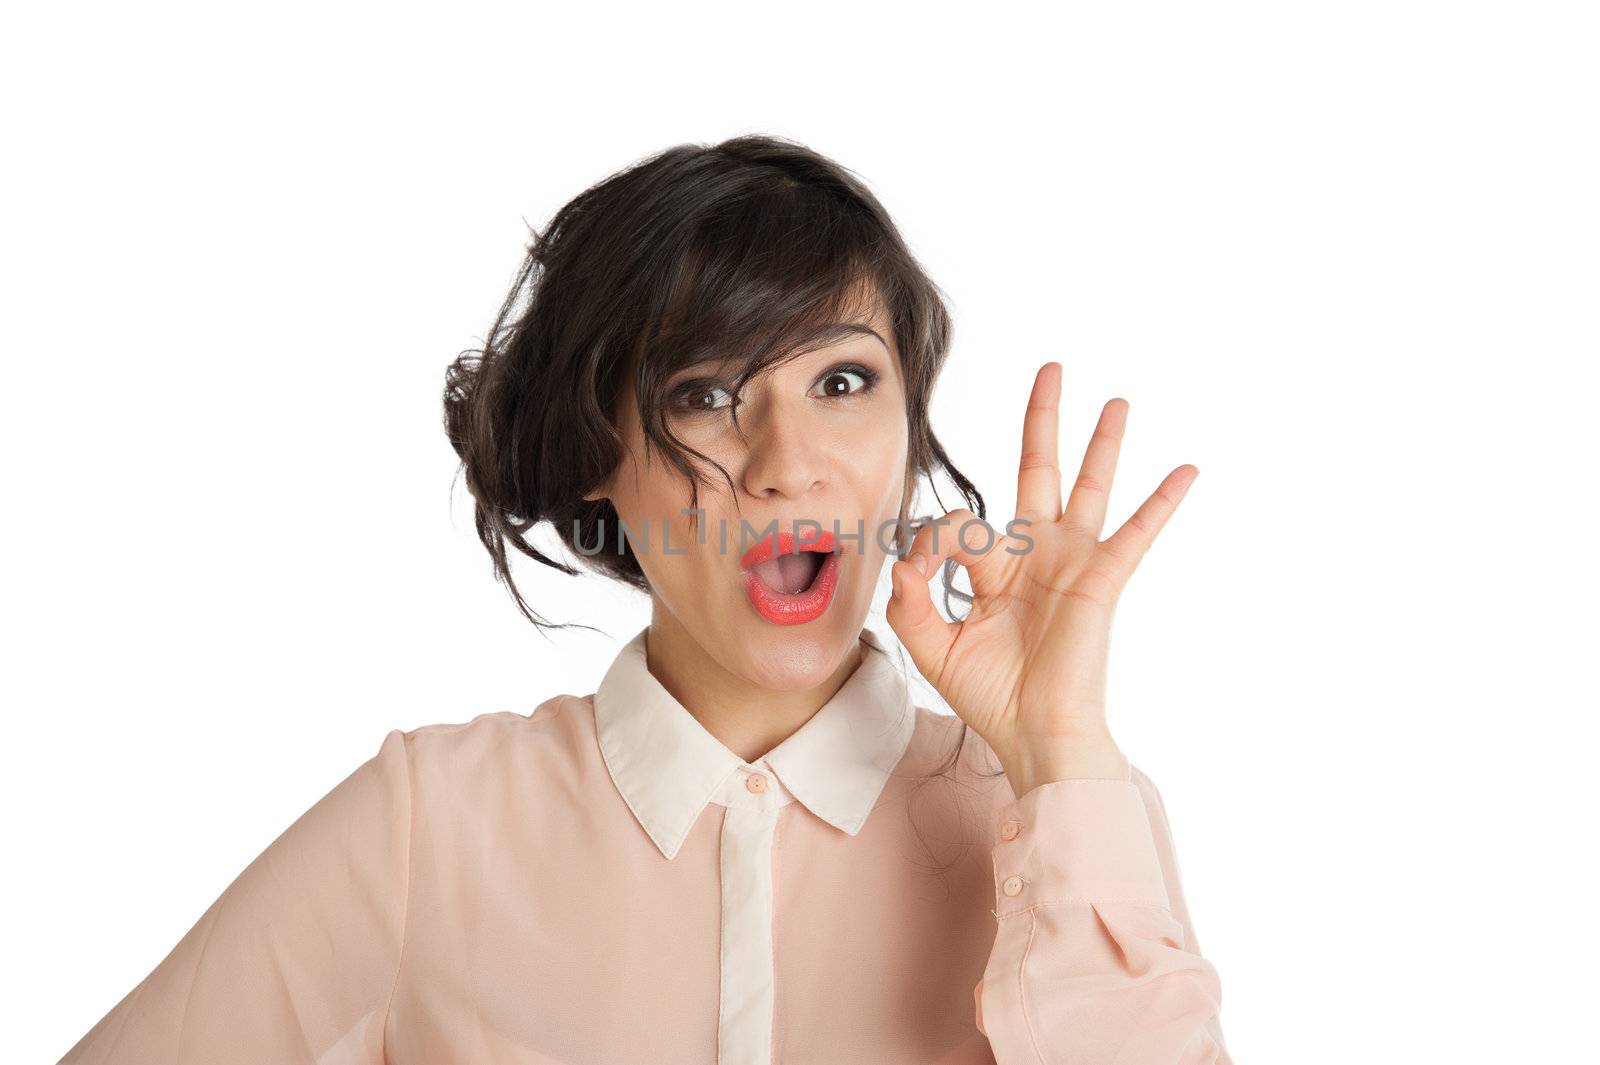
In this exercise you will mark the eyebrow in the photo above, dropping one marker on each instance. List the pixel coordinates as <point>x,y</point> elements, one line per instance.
<point>858,328</point>
<point>863,330</point>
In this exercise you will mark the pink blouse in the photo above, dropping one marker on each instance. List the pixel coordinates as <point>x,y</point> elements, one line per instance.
<point>601,880</point>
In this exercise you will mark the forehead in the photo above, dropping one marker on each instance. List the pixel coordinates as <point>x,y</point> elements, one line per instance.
<point>867,307</point>
<point>862,317</point>
<point>867,315</point>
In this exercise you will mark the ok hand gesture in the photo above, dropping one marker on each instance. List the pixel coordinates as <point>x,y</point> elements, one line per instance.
<point>1026,669</point>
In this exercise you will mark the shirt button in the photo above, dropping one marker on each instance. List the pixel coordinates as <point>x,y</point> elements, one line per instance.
<point>1010,829</point>
<point>756,782</point>
<point>1012,886</point>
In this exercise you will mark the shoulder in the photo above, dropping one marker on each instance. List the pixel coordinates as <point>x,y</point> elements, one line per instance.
<point>490,725</point>
<point>945,740</point>
<point>944,748</point>
<point>559,730</point>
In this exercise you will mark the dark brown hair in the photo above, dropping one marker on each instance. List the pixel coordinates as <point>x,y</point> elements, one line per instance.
<point>754,249</point>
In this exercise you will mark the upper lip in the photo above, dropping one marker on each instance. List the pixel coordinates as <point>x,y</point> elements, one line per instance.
<point>769,547</point>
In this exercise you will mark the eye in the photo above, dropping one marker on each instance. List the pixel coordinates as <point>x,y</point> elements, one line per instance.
<point>698,396</point>
<point>836,383</point>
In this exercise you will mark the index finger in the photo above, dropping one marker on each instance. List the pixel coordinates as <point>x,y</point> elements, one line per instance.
<point>974,544</point>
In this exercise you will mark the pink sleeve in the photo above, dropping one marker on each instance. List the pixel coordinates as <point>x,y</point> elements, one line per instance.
<point>297,959</point>
<point>1094,960</point>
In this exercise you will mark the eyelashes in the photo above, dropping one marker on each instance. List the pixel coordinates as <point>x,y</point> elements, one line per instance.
<point>690,397</point>
<point>869,379</point>
<point>699,396</point>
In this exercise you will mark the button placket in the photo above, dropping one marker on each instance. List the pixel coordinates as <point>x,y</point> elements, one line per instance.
<point>745,999</point>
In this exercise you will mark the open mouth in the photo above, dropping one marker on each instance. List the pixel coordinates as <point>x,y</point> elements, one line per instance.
<point>790,574</point>
<point>787,585</point>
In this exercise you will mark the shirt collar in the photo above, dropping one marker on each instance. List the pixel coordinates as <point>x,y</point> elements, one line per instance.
<point>668,767</point>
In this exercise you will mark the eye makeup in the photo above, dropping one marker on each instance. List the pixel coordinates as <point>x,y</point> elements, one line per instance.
<point>688,396</point>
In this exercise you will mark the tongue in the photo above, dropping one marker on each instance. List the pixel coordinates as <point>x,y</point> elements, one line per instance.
<point>789,574</point>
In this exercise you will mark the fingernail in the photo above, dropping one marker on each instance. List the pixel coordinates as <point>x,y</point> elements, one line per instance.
<point>919,560</point>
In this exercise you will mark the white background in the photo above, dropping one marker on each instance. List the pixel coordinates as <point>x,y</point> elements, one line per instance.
<point>1342,257</point>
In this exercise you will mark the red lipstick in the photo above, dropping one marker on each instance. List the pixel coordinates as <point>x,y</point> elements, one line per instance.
<point>789,587</point>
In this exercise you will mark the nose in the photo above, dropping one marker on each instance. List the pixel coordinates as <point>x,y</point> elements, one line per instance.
<point>785,457</point>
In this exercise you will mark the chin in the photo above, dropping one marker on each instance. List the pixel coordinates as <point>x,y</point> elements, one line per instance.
<point>794,657</point>
<point>797,658</point>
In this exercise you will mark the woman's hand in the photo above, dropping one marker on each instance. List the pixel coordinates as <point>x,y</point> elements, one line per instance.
<point>1026,669</point>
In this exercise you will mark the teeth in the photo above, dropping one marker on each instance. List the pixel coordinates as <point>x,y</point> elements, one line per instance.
<point>789,574</point>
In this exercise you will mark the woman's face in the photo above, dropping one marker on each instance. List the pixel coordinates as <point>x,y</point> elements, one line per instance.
<point>821,439</point>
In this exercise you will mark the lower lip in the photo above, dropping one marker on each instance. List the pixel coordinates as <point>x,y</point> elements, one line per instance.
<point>794,609</point>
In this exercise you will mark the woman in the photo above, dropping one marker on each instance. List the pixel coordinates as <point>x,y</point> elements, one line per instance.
<point>747,845</point>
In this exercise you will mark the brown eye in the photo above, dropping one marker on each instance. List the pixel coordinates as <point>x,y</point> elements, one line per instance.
<point>703,397</point>
<point>846,381</point>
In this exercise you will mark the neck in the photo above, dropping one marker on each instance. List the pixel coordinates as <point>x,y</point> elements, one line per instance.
<point>748,719</point>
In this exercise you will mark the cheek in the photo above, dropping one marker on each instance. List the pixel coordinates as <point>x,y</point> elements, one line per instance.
<point>644,493</point>
<point>665,538</point>
<point>877,463</point>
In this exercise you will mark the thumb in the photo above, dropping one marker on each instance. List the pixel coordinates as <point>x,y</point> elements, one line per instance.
<point>927,636</point>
